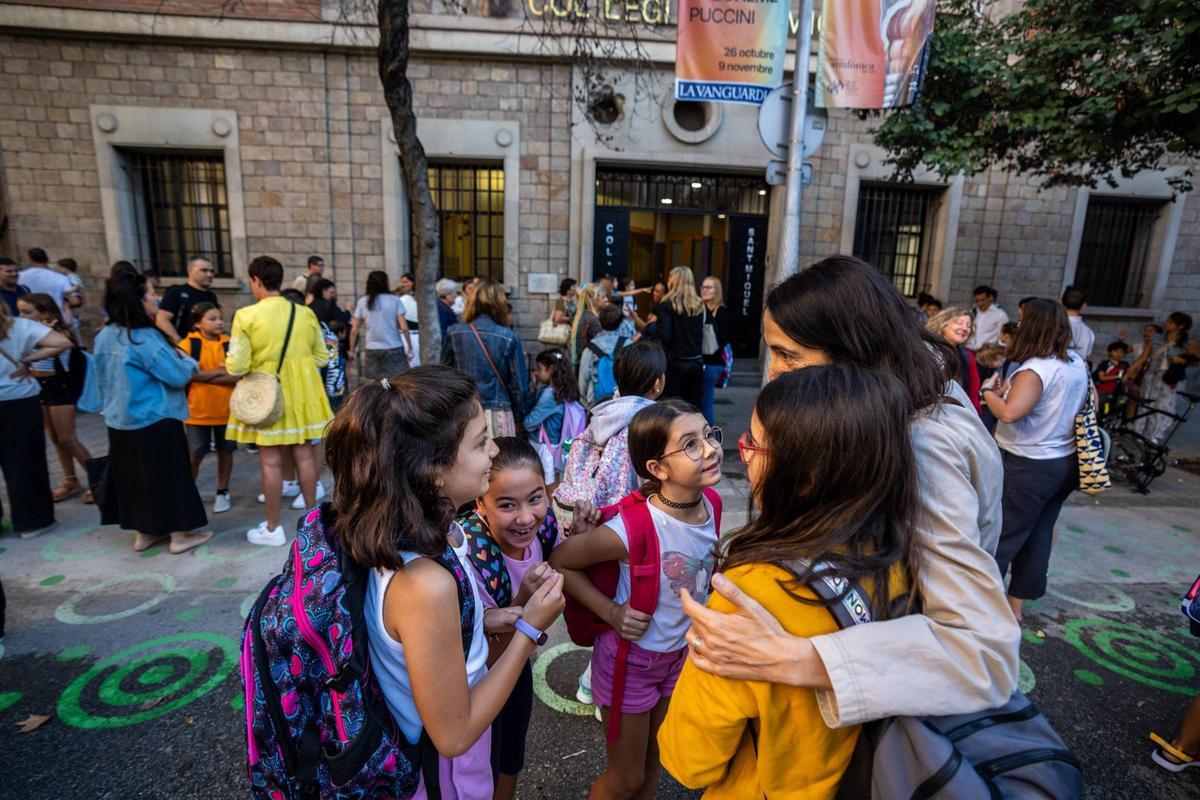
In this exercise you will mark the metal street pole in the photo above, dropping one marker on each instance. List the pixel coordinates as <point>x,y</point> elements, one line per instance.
<point>789,239</point>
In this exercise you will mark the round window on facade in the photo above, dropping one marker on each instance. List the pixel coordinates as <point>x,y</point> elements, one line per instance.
<point>691,121</point>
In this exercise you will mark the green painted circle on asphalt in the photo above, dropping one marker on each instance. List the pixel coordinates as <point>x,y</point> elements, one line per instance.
<point>1027,680</point>
<point>1089,677</point>
<point>160,678</point>
<point>1182,528</point>
<point>72,653</point>
<point>53,580</point>
<point>241,550</point>
<point>225,583</point>
<point>1118,601</point>
<point>67,614</point>
<point>542,688</point>
<point>1032,638</point>
<point>1112,548</point>
<point>8,700</point>
<point>153,552</point>
<point>188,615</point>
<point>53,549</point>
<point>1120,573</point>
<point>1074,529</point>
<point>1136,653</point>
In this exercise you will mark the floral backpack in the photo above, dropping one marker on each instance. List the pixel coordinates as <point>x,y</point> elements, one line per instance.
<point>603,475</point>
<point>317,725</point>
<point>488,560</point>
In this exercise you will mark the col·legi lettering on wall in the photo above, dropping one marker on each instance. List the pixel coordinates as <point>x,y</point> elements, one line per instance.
<point>873,52</point>
<point>730,51</point>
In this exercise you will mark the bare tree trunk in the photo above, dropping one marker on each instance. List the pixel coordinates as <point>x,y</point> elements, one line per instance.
<point>397,91</point>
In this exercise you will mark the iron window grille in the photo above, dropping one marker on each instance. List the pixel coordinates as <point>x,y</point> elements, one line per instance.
<point>179,210</point>
<point>893,231</point>
<point>1115,249</point>
<point>680,191</point>
<point>469,198</point>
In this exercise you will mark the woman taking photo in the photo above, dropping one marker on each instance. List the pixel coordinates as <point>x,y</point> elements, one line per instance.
<point>680,328</point>
<point>1161,368</point>
<point>1036,410</point>
<point>388,342</point>
<point>954,326</point>
<point>960,654</point>
<point>485,347</point>
<point>143,379</point>
<point>716,315</point>
<point>23,453</point>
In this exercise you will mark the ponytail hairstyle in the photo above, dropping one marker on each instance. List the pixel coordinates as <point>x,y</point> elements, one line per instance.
<point>387,448</point>
<point>650,435</point>
<point>515,452</point>
<point>5,321</point>
<point>45,304</point>
<point>562,374</point>
<point>839,487</point>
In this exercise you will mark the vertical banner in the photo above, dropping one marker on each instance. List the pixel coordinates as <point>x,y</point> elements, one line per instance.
<point>873,52</point>
<point>610,243</point>
<point>730,51</point>
<point>747,251</point>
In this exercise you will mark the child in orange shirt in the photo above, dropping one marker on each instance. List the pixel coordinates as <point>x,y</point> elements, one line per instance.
<point>208,397</point>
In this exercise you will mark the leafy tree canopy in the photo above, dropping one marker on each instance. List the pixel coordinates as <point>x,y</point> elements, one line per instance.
<point>1074,91</point>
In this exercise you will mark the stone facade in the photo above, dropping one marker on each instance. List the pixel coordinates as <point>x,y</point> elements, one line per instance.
<point>311,128</point>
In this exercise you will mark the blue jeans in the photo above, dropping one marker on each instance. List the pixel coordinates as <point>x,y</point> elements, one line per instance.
<point>711,373</point>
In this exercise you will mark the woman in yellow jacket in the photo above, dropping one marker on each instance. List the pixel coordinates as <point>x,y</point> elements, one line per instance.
<point>845,500</point>
<point>255,344</point>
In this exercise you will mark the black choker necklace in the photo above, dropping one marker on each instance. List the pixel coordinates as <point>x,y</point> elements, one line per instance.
<point>680,506</point>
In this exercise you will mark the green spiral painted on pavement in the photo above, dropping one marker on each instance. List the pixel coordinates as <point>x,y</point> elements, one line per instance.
<point>148,681</point>
<point>1138,654</point>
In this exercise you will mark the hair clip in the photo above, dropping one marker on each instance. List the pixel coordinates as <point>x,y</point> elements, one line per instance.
<point>387,387</point>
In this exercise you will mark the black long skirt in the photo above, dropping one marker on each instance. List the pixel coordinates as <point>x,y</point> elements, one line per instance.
<point>149,486</point>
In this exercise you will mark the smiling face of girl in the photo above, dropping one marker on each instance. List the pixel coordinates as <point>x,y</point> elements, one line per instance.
<point>467,478</point>
<point>690,460</point>
<point>515,506</point>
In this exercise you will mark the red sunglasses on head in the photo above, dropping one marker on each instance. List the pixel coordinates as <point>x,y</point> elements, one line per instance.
<point>746,448</point>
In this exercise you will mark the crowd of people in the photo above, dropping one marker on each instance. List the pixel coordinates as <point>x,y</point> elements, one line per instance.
<point>917,457</point>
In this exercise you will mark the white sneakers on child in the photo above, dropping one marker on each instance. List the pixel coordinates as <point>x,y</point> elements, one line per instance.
<point>262,535</point>
<point>221,503</point>
<point>290,489</point>
<point>299,503</point>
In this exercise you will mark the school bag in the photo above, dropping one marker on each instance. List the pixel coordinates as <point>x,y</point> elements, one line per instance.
<point>574,422</point>
<point>644,570</point>
<point>1009,752</point>
<point>317,725</point>
<point>604,385</point>
<point>601,474</point>
<point>90,401</point>
<point>488,560</point>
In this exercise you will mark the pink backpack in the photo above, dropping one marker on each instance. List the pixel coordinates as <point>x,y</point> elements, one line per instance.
<point>603,475</point>
<point>574,423</point>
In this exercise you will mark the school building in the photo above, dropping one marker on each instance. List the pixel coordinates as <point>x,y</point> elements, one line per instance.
<point>153,130</point>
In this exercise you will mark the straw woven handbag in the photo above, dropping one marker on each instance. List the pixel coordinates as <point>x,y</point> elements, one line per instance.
<point>257,399</point>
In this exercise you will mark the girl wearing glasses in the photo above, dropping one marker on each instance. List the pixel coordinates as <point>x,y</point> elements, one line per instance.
<point>832,480</point>
<point>678,455</point>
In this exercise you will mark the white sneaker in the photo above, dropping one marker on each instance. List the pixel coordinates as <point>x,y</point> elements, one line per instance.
<point>290,489</point>
<point>221,503</point>
<point>33,534</point>
<point>261,534</point>
<point>584,693</point>
<point>299,503</point>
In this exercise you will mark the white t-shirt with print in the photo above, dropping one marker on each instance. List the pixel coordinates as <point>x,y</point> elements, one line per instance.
<point>383,332</point>
<point>687,560</point>
<point>1049,430</point>
<point>22,338</point>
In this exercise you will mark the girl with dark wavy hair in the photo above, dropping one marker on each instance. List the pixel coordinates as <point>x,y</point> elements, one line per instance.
<point>832,483</point>
<point>554,374</point>
<point>960,653</point>
<point>405,452</point>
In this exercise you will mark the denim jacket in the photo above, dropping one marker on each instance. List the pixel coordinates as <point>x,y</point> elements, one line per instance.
<point>460,349</point>
<point>142,378</point>
<point>546,411</point>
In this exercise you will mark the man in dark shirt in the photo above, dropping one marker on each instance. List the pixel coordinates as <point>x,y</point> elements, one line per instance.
<point>10,289</point>
<point>446,290</point>
<point>175,308</point>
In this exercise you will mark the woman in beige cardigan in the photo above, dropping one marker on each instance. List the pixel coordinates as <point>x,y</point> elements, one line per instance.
<point>961,654</point>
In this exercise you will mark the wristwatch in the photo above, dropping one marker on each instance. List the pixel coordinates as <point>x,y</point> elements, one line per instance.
<point>539,637</point>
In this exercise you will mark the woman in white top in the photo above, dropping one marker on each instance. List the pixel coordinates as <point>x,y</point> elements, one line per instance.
<point>388,342</point>
<point>405,453</point>
<point>1036,410</point>
<point>407,286</point>
<point>22,438</point>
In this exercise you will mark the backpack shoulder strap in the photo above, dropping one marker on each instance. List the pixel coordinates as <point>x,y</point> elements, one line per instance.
<point>548,533</point>
<point>715,500</point>
<point>487,559</point>
<point>644,555</point>
<point>466,599</point>
<point>847,601</point>
<point>195,346</point>
<point>621,342</point>
<point>596,351</point>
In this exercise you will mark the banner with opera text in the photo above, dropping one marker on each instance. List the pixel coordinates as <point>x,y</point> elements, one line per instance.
<point>730,51</point>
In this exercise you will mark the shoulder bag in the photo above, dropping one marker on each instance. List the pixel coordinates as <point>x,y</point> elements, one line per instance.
<point>1090,447</point>
<point>557,334</point>
<point>257,399</point>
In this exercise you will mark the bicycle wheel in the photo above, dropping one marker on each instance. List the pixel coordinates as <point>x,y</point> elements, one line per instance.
<point>1127,456</point>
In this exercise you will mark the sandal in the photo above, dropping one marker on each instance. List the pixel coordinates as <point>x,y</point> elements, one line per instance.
<point>1170,757</point>
<point>67,489</point>
<point>88,498</point>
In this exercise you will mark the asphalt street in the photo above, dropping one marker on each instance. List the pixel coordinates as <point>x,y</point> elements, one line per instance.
<point>133,657</point>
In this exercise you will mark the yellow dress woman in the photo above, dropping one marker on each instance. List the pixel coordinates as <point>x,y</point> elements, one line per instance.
<point>255,344</point>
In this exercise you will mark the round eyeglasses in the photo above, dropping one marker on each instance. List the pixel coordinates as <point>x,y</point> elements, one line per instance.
<point>693,449</point>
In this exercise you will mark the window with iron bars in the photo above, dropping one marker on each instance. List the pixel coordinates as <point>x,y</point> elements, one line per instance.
<point>681,191</point>
<point>893,231</point>
<point>469,198</point>
<point>1114,250</point>
<point>178,210</point>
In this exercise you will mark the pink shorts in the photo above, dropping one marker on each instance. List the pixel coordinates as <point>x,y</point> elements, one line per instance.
<point>649,676</point>
<point>465,777</point>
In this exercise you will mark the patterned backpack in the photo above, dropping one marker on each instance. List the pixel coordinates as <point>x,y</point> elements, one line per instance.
<point>601,474</point>
<point>317,726</point>
<point>488,560</point>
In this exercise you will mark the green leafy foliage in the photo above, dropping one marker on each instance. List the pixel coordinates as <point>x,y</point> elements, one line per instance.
<point>1073,91</point>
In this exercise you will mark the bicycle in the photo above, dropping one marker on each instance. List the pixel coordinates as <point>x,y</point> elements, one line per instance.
<point>1136,458</point>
